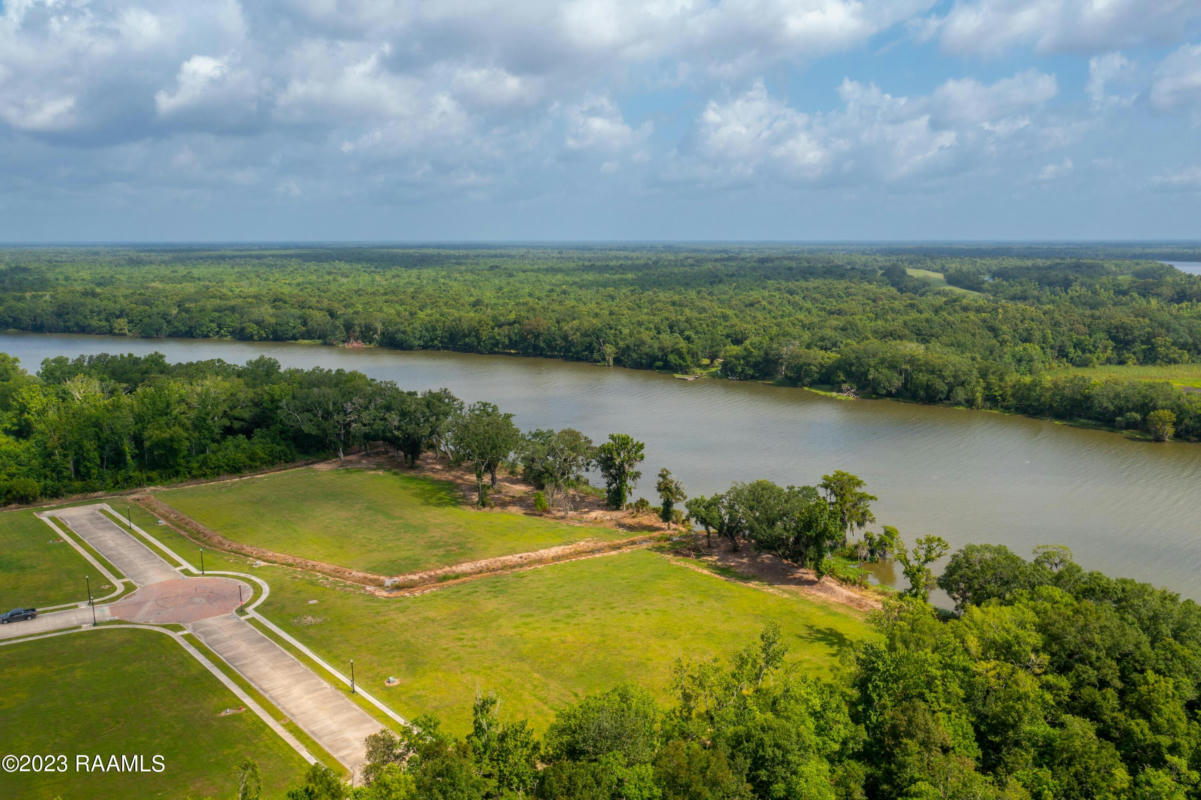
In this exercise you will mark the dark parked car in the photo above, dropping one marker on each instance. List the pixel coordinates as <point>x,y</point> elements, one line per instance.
<point>18,615</point>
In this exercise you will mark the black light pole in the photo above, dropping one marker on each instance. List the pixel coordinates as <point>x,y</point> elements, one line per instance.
<point>202,561</point>
<point>352,676</point>
<point>88,580</point>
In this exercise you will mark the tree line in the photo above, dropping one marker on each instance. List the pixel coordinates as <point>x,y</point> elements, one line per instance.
<point>860,318</point>
<point>1047,682</point>
<point>104,422</point>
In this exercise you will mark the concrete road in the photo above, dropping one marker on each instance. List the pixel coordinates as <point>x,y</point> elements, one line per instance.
<point>325,713</point>
<point>135,560</point>
<point>55,620</point>
<point>205,605</point>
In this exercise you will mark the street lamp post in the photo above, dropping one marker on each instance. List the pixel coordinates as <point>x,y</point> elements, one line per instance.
<point>352,676</point>
<point>202,561</point>
<point>88,580</point>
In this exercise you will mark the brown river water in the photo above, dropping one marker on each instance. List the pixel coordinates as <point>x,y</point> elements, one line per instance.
<point>1125,507</point>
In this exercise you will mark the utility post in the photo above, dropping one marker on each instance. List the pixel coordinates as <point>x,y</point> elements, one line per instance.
<point>352,676</point>
<point>202,561</point>
<point>88,581</point>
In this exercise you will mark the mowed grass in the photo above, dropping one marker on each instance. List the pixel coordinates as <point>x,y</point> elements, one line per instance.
<point>39,569</point>
<point>545,637</point>
<point>1176,374</point>
<point>383,522</point>
<point>129,692</point>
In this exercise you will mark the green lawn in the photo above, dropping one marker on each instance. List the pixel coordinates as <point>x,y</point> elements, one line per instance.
<point>544,637</point>
<point>39,569</point>
<point>383,522</point>
<point>1178,374</point>
<point>129,692</point>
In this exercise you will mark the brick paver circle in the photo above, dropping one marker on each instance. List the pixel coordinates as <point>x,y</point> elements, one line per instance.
<point>183,600</point>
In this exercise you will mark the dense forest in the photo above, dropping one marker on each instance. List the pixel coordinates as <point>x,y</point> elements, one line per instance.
<point>983,326</point>
<point>1048,682</point>
<point>111,422</point>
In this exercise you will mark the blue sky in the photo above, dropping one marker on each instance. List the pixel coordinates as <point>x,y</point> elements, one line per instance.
<point>599,119</point>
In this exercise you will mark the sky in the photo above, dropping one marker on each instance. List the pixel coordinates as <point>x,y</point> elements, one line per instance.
<point>481,120</point>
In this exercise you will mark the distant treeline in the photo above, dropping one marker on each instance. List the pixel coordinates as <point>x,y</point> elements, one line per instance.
<point>991,336</point>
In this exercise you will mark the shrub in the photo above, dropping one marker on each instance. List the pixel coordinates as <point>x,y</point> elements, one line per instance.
<point>22,490</point>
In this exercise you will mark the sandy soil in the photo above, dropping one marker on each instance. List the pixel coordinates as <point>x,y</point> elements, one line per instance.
<point>776,573</point>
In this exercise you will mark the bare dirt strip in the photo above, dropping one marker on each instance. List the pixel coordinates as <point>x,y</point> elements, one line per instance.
<point>389,585</point>
<point>774,573</point>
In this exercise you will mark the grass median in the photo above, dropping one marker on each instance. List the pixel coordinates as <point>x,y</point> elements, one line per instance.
<point>38,568</point>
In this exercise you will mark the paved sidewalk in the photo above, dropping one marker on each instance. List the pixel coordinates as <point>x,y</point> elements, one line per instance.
<point>325,713</point>
<point>135,560</point>
<point>55,620</point>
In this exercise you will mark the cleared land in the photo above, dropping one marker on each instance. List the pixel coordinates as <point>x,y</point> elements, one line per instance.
<point>383,522</point>
<point>937,280</point>
<point>129,692</point>
<point>1188,375</point>
<point>39,569</point>
<point>544,637</point>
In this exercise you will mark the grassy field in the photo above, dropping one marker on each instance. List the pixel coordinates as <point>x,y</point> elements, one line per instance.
<point>544,637</point>
<point>37,568</point>
<point>129,692</point>
<point>383,522</point>
<point>1177,374</point>
<point>936,280</point>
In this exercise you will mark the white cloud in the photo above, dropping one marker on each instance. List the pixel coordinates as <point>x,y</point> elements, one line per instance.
<point>494,87</point>
<point>597,124</point>
<point>873,137</point>
<point>333,81</point>
<point>39,114</point>
<point>1185,179</point>
<point>91,69</point>
<point>210,93</point>
<point>1177,80</point>
<point>753,129</point>
<point>1103,71</point>
<point>968,100</point>
<point>1052,172</point>
<point>475,96</point>
<point>991,26</point>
